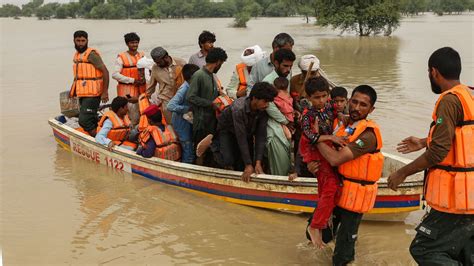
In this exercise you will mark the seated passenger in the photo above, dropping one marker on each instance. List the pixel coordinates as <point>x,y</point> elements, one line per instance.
<point>241,133</point>
<point>178,107</point>
<point>157,139</point>
<point>114,127</point>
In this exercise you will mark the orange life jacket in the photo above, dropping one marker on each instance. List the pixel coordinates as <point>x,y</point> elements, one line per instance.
<point>166,142</point>
<point>240,69</point>
<point>361,174</point>
<point>450,184</point>
<point>129,69</point>
<point>87,78</point>
<point>143,103</point>
<point>223,100</point>
<point>120,128</point>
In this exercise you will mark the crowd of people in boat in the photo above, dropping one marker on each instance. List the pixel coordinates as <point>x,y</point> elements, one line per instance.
<point>266,120</point>
<point>250,125</point>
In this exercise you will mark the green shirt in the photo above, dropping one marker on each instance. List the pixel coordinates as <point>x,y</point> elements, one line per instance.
<point>202,92</point>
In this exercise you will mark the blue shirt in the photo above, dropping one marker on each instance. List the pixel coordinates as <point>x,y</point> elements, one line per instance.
<point>101,136</point>
<point>179,106</point>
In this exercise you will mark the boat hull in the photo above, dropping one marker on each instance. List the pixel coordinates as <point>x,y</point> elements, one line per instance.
<point>264,191</point>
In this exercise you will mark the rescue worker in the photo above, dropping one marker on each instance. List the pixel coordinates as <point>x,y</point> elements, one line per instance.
<point>359,188</point>
<point>114,127</point>
<point>446,234</point>
<point>158,139</point>
<point>238,82</point>
<point>91,82</point>
<point>130,82</point>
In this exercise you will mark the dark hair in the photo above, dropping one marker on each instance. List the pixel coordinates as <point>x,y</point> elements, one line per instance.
<point>338,92</point>
<point>118,102</point>
<point>130,37</point>
<point>284,54</point>
<point>282,39</point>
<point>447,61</point>
<point>206,36</point>
<point>367,90</point>
<point>216,54</point>
<point>188,71</point>
<point>263,91</point>
<point>156,117</point>
<point>80,33</point>
<point>281,83</point>
<point>315,84</point>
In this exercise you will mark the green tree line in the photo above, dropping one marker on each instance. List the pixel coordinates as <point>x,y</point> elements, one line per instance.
<point>150,9</point>
<point>365,17</point>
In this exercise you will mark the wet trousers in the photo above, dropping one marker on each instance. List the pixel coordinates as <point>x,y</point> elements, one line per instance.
<point>88,118</point>
<point>444,239</point>
<point>328,184</point>
<point>345,228</point>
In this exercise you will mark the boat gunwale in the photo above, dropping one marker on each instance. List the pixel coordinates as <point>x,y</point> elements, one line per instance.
<point>215,172</point>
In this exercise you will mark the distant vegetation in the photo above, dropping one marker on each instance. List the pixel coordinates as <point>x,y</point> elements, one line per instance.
<point>366,17</point>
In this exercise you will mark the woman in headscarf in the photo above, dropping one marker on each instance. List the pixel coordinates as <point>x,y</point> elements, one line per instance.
<point>238,85</point>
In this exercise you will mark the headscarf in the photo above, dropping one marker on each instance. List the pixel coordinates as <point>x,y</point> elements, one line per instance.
<point>252,59</point>
<point>306,60</point>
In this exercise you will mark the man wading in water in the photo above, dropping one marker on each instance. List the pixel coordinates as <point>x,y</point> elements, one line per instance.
<point>446,234</point>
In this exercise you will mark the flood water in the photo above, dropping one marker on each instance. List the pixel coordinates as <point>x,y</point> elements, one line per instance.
<point>57,208</point>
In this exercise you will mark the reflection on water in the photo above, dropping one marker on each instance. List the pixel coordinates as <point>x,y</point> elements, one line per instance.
<point>60,209</point>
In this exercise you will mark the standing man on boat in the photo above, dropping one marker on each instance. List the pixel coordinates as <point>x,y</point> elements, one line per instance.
<point>203,90</point>
<point>265,66</point>
<point>130,82</point>
<point>446,234</point>
<point>278,145</point>
<point>167,73</point>
<point>359,164</point>
<point>206,42</point>
<point>91,82</point>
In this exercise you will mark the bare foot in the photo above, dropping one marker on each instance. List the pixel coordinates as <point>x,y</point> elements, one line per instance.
<point>203,145</point>
<point>316,238</point>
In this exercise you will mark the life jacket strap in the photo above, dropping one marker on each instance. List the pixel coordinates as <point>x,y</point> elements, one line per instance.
<point>466,123</point>
<point>89,78</point>
<point>454,169</point>
<point>362,182</point>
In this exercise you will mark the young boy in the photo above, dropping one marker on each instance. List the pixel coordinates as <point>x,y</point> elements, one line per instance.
<point>178,106</point>
<point>317,125</point>
<point>339,98</point>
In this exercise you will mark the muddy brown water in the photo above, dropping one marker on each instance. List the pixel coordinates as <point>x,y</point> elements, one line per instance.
<point>57,208</point>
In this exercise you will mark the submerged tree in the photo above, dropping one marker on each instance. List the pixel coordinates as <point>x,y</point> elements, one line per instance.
<point>241,19</point>
<point>362,16</point>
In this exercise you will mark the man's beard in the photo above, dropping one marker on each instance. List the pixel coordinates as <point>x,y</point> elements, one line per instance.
<point>216,69</point>
<point>80,50</point>
<point>435,88</point>
<point>281,74</point>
